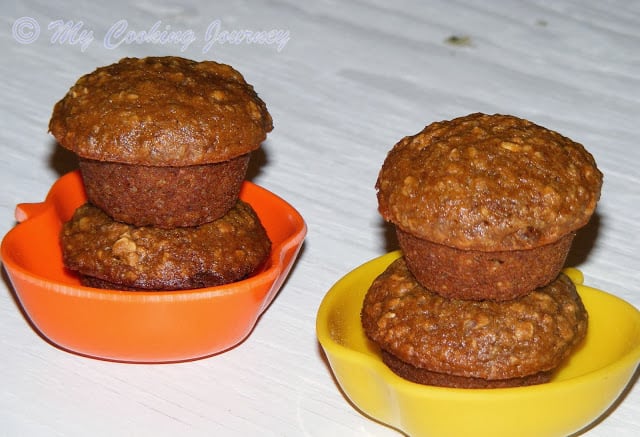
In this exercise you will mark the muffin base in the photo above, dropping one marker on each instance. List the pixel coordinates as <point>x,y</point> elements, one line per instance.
<point>479,275</point>
<point>201,281</point>
<point>166,197</point>
<point>426,377</point>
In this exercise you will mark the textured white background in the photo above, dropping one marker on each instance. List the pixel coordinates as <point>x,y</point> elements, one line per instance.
<point>351,81</point>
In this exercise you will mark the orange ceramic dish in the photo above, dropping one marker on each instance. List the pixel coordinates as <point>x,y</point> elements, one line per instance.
<point>150,326</point>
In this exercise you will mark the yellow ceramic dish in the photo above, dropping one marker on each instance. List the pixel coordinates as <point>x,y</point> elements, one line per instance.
<point>581,391</point>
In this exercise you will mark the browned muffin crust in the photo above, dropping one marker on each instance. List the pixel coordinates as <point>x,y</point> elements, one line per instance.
<point>161,111</point>
<point>488,182</point>
<point>226,250</point>
<point>479,339</point>
<point>479,275</point>
<point>166,197</point>
<point>426,377</point>
<point>91,281</point>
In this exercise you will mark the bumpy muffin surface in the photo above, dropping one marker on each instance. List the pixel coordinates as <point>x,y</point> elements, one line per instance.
<point>225,250</point>
<point>161,111</point>
<point>479,339</point>
<point>488,182</point>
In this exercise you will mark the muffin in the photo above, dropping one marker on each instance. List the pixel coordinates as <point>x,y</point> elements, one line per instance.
<point>486,206</point>
<point>431,339</point>
<point>111,254</point>
<point>162,141</point>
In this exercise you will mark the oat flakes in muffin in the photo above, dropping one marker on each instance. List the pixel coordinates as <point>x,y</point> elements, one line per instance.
<point>171,118</point>
<point>486,206</point>
<point>111,254</point>
<point>466,343</point>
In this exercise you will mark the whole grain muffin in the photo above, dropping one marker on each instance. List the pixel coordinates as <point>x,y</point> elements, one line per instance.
<point>465,343</point>
<point>165,197</point>
<point>112,254</point>
<point>495,196</point>
<point>172,118</point>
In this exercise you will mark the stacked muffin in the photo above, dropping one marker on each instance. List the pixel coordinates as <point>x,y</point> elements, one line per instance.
<point>163,146</point>
<point>485,208</point>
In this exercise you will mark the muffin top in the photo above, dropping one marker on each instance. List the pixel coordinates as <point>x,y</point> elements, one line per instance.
<point>488,182</point>
<point>161,111</point>
<point>225,250</point>
<point>481,339</point>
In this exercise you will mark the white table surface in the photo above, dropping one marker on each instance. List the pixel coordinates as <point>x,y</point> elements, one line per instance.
<point>351,80</point>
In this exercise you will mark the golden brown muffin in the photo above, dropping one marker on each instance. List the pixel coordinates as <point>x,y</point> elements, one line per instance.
<point>165,197</point>
<point>494,195</point>
<point>162,113</point>
<point>478,275</point>
<point>117,255</point>
<point>476,343</point>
